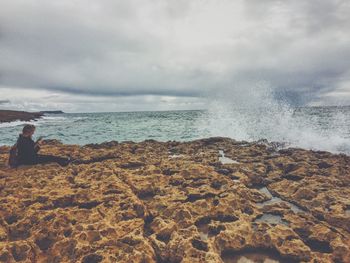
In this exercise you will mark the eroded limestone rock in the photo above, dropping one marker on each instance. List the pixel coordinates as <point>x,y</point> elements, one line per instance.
<point>176,202</point>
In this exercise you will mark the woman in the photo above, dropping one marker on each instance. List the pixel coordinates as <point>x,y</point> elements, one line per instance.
<point>27,150</point>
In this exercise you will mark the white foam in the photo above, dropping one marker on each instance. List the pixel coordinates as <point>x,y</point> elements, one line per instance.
<point>38,122</point>
<point>12,124</point>
<point>41,121</point>
<point>225,160</point>
<point>255,115</point>
<point>53,118</point>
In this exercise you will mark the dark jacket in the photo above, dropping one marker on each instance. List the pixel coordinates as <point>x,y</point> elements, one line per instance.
<point>27,150</point>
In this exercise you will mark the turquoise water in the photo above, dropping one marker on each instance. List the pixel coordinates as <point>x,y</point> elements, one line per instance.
<point>83,128</point>
<point>322,128</point>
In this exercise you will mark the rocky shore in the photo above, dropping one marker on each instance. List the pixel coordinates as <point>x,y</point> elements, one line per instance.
<point>9,115</point>
<point>210,200</point>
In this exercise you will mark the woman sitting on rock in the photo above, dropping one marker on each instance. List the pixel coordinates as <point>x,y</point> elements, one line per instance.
<point>27,150</point>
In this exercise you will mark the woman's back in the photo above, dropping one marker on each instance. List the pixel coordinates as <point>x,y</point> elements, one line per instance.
<point>26,150</point>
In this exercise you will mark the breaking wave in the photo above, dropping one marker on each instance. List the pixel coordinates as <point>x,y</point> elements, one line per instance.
<point>253,113</point>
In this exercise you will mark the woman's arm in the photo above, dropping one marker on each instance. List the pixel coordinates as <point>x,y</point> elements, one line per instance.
<point>37,145</point>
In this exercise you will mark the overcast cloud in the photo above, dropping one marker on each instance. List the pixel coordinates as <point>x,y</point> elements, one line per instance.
<point>111,55</point>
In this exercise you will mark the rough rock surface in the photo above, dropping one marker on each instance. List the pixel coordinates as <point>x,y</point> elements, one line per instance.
<point>176,202</point>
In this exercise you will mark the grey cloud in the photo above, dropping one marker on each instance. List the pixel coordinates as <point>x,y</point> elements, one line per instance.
<point>136,92</point>
<point>4,102</point>
<point>175,48</point>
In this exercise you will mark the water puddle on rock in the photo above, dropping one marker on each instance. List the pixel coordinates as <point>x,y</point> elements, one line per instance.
<point>271,219</point>
<point>265,191</point>
<point>203,236</point>
<point>207,230</point>
<point>250,257</point>
<point>225,160</point>
<point>274,200</point>
<point>173,156</point>
<point>203,230</point>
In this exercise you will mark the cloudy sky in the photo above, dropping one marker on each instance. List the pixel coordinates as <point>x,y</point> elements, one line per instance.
<point>117,55</point>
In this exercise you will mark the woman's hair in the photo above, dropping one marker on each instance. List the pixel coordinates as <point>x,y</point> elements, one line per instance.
<point>28,128</point>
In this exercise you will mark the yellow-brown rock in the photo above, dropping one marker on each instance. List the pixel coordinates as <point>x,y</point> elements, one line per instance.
<point>176,202</point>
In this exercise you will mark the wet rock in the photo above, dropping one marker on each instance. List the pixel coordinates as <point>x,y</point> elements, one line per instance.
<point>200,245</point>
<point>324,165</point>
<point>11,219</point>
<point>93,236</point>
<point>20,251</point>
<point>132,165</point>
<point>224,171</point>
<point>5,256</point>
<point>92,258</point>
<point>44,243</point>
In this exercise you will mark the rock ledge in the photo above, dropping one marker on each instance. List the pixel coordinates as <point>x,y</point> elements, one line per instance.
<point>177,202</point>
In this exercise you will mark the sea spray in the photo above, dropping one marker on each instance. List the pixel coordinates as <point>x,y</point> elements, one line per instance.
<point>252,112</point>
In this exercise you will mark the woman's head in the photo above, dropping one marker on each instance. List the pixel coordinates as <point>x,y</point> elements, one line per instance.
<point>28,130</point>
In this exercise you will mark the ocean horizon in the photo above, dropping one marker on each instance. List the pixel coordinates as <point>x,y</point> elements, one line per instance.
<point>316,128</point>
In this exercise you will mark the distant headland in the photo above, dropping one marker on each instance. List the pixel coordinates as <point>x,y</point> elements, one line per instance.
<point>11,115</point>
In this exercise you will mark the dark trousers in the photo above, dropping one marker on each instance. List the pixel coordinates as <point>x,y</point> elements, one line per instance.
<point>40,159</point>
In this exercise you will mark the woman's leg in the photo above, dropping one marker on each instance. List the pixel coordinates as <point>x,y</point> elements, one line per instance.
<point>51,159</point>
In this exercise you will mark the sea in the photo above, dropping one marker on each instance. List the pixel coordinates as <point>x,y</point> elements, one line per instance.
<point>316,128</point>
